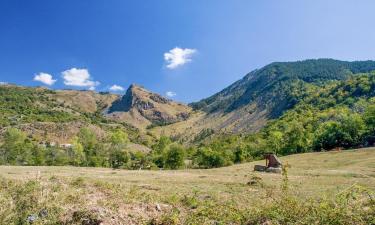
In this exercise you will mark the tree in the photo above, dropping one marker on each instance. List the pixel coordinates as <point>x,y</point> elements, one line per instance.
<point>16,149</point>
<point>159,149</point>
<point>118,137</point>
<point>275,141</point>
<point>369,118</point>
<point>239,154</point>
<point>118,159</point>
<point>207,158</point>
<point>88,139</point>
<point>346,132</point>
<point>162,144</point>
<point>77,156</point>
<point>174,157</point>
<point>38,155</point>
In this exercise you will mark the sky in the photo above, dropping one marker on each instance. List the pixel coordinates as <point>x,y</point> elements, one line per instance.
<point>186,50</point>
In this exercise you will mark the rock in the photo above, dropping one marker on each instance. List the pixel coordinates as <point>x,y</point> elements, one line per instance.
<point>31,218</point>
<point>43,213</point>
<point>273,170</point>
<point>158,207</point>
<point>260,168</point>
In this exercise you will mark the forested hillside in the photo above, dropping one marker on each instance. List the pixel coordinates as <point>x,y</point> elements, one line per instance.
<point>276,82</point>
<point>340,114</point>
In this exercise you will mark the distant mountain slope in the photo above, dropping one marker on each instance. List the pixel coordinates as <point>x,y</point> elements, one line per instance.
<point>248,104</point>
<point>264,85</point>
<point>49,115</point>
<point>142,108</point>
<point>85,101</point>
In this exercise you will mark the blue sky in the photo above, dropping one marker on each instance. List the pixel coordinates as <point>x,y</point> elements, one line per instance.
<point>83,44</point>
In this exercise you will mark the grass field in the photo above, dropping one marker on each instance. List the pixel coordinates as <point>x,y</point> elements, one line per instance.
<point>215,196</point>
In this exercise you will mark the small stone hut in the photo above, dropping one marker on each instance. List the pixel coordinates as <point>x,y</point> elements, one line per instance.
<point>273,164</point>
<point>272,160</point>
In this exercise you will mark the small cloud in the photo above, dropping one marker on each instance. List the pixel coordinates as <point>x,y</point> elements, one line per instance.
<point>79,78</point>
<point>116,88</point>
<point>45,78</point>
<point>170,94</point>
<point>3,83</point>
<point>92,88</point>
<point>177,57</point>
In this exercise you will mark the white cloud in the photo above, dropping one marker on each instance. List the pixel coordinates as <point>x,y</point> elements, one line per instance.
<point>177,57</point>
<point>170,94</point>
<point>3,83</point>
<point>45,78</point>
<point>116,88</point>
<point>79,78</point>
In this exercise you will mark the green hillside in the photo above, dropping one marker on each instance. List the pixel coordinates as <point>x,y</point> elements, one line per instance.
<point>339,114</point>
<point>275,86</point>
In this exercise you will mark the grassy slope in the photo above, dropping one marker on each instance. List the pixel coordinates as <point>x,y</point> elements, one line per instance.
<point>128,196</point>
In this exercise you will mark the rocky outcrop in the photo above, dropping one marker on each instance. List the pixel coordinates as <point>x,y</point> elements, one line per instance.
<point>141,108</point>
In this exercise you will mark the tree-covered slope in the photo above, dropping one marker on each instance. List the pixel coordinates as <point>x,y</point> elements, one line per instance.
<point>274,86</point>
<point>337,115</point>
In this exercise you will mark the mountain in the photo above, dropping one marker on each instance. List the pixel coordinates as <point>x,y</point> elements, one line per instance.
<point>142,108</point>
<point>264,85</point>
<point>58,115</point>
<point>262,95</point>
<point>287,108</point>
<point>246,106</point>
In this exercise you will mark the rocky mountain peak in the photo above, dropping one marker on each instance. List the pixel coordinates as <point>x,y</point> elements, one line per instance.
<point>139,102</point>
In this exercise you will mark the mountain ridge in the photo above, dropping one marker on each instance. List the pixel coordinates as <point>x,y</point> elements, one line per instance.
<point>143,108</point>
<point>243,107</point>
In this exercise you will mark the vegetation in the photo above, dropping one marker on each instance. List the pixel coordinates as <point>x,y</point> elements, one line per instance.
<point>321,105</point>
<point>25,105</point>
<point>336,115</point>
<point>318,188</point>
<point>278,82</point>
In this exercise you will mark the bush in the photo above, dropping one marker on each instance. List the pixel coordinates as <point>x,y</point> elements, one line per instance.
<point>174,157</point>
<point>207,158</point>
<point>118,159</point>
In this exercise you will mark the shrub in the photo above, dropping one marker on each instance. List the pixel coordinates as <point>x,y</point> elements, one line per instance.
<point>118,158</point>
<point>207,158</point>
<point>174,157</point>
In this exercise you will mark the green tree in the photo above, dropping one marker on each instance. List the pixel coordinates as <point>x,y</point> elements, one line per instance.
<point>118,159</point>
<point>38,155</point>
<point>369,118</point>
<point>89,142</point>
<point>158,151</point>
<point>207,158</point>
<point>87,138</point>
<point>77,156</point>
<point>239,154</point>
<point>346,132</point>
<point>162,144</point>
<point>174,157</point>
<point>16,148</point>
<point>275,141</point>
<point>118,137</point>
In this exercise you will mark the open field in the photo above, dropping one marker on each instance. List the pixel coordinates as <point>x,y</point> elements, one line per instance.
<point>74,194</point>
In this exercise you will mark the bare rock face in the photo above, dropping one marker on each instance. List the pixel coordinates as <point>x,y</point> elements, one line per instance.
<point>140,108</point>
